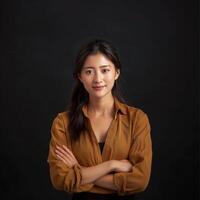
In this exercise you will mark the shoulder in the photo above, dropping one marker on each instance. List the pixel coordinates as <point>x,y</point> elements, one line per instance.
<point>139,121</point>
<point>59,130</point>
<point>64,115</point>
<point>135,116</point>
<point>61,118</point>
<point>133,111</point>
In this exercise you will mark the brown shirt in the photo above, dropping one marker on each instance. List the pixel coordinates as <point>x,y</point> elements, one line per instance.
<point>128,137</point>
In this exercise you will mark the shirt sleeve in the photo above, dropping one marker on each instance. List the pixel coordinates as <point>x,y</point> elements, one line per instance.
<point>140,155</point>
<point>62,176</point>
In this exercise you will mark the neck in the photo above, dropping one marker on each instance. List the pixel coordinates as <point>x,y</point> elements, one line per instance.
<point>101,106</point>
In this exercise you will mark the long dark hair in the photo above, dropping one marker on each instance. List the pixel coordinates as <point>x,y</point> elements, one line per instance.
<point>79,95</point>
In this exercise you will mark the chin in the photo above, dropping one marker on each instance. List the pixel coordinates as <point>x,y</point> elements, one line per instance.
<point>100,95</point>
<point>97,95</point>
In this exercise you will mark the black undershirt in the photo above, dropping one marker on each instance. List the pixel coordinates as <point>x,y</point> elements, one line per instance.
<point>101,145</point>
<point>93,196</point>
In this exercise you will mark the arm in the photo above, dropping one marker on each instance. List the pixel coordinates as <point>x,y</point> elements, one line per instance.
<point>65,172</point>
<point>63,177</point>
<point>91,174</point>
<point>106,182</point>
<point>140,155</point>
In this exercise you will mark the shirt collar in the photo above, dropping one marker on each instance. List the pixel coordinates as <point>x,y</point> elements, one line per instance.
<point>119,107</point>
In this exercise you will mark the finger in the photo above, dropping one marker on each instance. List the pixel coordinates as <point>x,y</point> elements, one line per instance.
<point>64,156</point>
<point>70,152</point>
<point>62,159</point>
<point>64,151</point>
<point>65,160</point>
<point>67,149</point>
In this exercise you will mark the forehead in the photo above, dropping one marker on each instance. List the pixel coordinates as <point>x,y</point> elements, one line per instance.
<point>97,60</point>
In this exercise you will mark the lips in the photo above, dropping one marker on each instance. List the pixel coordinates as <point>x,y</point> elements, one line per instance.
<point>96,87</point>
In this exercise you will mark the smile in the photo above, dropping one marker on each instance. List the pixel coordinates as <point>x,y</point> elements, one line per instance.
<point>98,88</point>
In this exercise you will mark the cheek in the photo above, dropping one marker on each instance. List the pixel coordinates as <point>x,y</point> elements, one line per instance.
<point>86,82</point>
<point>110,78</point>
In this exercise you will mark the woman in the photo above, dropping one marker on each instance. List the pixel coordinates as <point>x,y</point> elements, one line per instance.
<point>100,147</point>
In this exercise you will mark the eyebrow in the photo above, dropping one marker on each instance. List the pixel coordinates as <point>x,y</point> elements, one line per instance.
<point>102,66</point>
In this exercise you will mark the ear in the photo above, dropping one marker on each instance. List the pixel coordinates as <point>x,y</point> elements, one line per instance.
<point>79,77</point>
<point>117,74</point>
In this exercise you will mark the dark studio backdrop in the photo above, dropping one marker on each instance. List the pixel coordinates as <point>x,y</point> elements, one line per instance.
<point>157,42</point>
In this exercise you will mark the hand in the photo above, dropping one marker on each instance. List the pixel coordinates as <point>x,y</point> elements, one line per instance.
<point>64,154</point>
<point>122,166</point>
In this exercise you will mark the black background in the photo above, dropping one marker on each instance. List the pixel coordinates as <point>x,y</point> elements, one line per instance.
<point>157,43</point>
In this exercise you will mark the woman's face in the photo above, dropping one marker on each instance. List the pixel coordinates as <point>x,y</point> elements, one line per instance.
<point>98,75</point>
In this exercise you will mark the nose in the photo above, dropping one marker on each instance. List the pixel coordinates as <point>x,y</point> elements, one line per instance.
<point>97,77</point>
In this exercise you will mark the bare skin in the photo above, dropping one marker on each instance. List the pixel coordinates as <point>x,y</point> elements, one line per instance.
<point>98,71</point>
<point>98,174</point>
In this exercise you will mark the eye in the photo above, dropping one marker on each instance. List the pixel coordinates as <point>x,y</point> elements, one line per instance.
<point>105,70</point>
<point>88,72</point>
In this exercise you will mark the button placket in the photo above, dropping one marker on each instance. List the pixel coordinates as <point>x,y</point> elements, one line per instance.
<point>106,145</point>
<point>95,141</point>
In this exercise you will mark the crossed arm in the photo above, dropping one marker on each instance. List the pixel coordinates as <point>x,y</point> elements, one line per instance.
<point>98,174</point>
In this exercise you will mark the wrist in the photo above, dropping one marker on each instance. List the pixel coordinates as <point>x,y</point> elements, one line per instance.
<point>81,166</point>
<point>112,165</point>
